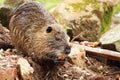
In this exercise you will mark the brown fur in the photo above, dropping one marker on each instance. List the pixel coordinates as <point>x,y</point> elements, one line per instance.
<point>29,25</point>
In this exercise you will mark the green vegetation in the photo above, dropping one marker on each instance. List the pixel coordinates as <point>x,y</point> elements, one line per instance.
<point>79,6</point>
<point>117,9</point>
<point>107,17</point>
<point>0,2</point>
<point>50,3</point>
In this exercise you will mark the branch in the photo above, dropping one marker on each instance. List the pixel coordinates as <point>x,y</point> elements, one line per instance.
<point>102,53</point>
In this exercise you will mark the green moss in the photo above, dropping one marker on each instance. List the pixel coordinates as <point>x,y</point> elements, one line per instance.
<point>0,2</point>
<point>107,17</point>
<point>117,9</point>
<point>78,6</point>
<point>94,3</point>
<point>82,5</point>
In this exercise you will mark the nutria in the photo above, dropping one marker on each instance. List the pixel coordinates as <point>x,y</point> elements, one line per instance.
<point>37,34</point>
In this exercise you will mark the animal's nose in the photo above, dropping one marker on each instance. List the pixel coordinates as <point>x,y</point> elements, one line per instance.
<point>67,49</point>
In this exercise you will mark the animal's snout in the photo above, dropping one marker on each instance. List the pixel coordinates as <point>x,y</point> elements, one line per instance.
<point>67,49</point>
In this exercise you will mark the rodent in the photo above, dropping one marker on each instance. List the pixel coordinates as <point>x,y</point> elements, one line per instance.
<point>36,33</point>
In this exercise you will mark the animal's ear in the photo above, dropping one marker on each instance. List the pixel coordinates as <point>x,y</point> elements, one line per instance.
<point>49,29</point>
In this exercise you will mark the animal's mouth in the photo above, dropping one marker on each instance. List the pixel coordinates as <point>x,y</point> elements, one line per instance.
<point>59,60</point>
<point>52,62</point>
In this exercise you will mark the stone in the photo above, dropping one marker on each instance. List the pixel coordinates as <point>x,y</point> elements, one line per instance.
<point>112,37</point>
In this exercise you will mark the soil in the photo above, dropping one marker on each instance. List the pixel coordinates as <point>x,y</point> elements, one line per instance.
<point>95,71</point>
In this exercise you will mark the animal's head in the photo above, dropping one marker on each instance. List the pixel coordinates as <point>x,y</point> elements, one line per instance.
<point>54,43</point>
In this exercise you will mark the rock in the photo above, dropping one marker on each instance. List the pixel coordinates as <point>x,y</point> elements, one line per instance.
<point>78,17</point>
<point>86,20</point>
<point>85,29</point>
<point>77,55</point>
<point>112,37</point>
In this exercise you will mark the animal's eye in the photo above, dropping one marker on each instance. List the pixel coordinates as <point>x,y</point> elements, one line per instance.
<point>49,29</point>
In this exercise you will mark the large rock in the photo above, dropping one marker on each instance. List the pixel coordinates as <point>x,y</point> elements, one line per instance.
<point>112,37</point>
<point>79,17</point>
<point>86,19</point>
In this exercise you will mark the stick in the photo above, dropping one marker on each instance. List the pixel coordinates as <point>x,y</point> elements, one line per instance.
<point>112,55</point>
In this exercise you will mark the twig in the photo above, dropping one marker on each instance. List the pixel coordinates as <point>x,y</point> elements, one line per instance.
<point>113,73</point>
<point>112,55</point>
<point>46,76</point>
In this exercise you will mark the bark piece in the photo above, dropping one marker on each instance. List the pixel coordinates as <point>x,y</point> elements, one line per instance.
<point>103,53</point>
<point>25,69</point>
<point>77,55</point>
<point>8,68</point>
<point>5,39</point>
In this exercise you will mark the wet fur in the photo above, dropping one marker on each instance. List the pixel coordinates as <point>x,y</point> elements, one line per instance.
<point>28,27</point>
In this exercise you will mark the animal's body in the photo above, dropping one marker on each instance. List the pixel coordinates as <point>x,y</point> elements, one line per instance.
<point>37,34</point>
